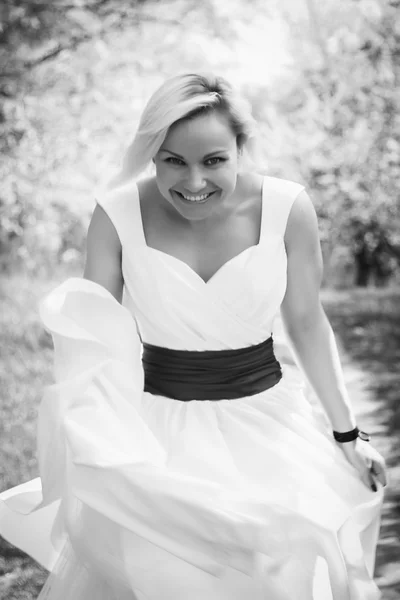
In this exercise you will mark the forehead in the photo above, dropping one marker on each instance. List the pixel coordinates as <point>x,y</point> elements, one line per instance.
<point>200,134</point>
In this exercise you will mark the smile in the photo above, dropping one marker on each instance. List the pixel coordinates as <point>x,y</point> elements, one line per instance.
<point>201,198</point>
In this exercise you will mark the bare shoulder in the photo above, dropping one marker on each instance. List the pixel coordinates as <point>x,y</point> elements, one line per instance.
<point>149,198</point>
<point>104,253</point>
<point>302,224</point>
<point>101,222</point>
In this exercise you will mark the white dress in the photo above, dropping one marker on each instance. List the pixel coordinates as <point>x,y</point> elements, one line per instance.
<point>143,497</point>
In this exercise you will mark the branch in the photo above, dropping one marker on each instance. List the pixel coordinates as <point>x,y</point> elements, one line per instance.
<point>124,19</point>
<point>151,19</point>
<point>57,50</point>
<point>75,42</point>
<point>46,5</point>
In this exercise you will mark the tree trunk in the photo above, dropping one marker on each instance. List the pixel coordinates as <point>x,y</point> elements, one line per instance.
<point>363,268</point>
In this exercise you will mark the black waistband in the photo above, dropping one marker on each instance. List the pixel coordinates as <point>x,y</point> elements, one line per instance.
<point>210,374</point>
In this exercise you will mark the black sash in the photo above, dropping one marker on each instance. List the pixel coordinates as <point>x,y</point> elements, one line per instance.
<point>210,374</point>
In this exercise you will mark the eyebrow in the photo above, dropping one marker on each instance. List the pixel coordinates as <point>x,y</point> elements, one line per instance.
<point>179,156</point>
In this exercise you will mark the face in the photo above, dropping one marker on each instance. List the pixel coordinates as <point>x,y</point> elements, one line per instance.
<point>197,166</point>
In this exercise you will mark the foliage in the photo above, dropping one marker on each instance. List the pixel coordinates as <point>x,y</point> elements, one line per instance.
<point>53,97</point>
<point>344,108</point>
<point>75,74</point>
<point>39,239</point>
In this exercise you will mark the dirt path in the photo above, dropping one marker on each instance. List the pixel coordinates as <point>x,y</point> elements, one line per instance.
<point>387,568</point>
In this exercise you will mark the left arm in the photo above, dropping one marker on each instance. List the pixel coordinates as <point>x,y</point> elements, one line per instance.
<point>312,336</point>
<point>304,318</point>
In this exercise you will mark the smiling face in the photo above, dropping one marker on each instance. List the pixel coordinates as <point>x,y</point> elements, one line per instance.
<point>197,166</point>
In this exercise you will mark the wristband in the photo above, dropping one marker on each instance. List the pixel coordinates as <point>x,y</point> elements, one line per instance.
<point>349,436</point>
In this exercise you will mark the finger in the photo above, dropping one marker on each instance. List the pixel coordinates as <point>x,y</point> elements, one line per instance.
<point>367,477</point>
<point>371,480</point>
<point>369,463</point>
<point>378,471</point>
<point>368,474</point>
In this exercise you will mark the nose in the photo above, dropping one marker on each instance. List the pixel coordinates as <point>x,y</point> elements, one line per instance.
<point>195,181</point>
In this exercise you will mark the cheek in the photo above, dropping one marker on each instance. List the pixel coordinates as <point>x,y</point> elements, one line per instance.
<point>163,176</point>
<point>165,173</point>
<point>166,179</point>
<point>231,166</point>
<point>228,176</point>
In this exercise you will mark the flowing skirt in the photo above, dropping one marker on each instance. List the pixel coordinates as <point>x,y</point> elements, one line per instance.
<point>143,497</point>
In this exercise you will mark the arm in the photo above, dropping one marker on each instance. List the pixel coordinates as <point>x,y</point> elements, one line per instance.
<point>313,340</point>
<point>304,318</point>
<point>103,254</point>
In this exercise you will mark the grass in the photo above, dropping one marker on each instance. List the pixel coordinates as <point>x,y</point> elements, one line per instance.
<point>25,368</point>
<point>366,321</point>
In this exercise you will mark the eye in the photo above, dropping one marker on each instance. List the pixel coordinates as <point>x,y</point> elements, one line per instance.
<point>173,160</point>
<point>215,160</point>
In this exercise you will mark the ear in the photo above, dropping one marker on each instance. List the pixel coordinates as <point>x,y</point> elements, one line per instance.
<point>240,160</point>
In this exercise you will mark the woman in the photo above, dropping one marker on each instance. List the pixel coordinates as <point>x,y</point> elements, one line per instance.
<point>178,458</point>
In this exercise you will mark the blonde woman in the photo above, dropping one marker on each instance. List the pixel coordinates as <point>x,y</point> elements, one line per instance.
<point>179,458</point>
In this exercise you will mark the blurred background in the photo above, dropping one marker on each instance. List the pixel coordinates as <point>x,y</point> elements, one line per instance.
<point>323,81</point>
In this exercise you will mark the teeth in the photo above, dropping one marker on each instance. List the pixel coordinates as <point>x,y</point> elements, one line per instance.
<point>196,198</point>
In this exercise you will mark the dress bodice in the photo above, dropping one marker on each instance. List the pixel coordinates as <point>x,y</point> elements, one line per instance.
<point>174,307</point>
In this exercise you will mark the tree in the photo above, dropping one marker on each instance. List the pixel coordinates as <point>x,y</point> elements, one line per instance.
<point>343,106</point>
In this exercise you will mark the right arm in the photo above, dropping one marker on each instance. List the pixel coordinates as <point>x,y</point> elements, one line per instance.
<point>104,253</point>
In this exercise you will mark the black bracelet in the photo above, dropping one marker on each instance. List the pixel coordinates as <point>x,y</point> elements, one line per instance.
<point>349,436</point>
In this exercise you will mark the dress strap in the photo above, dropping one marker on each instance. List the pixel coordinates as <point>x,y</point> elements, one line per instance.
<point>278,196</point>
<point>122,205</point>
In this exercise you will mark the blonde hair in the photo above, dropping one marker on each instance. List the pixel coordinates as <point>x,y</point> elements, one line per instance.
<point>184,97</point>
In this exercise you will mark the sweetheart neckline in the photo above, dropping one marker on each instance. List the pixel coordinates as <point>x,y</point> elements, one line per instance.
<point>191,270</point>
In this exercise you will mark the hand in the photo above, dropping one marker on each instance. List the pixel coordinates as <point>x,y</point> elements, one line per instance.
<point>368,462</point>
